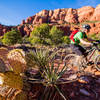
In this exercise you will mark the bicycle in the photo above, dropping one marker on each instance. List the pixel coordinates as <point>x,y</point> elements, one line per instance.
<point>92,56</point>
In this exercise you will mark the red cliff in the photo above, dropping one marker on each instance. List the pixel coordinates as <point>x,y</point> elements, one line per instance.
<point>66,18</point>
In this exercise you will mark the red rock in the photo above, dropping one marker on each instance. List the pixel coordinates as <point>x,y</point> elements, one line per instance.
<point>61,22</point>
<point>56,14</point>
<point>96,14</point>
<point>30,19</point>
<point>4,30</point>
<point>97,73</point>
<point>43,13</point>
<point>85,13</point>
<point>50,13</point>
<point>70,17</point>
<point>23,22</point>
<point>27,30</point>
<point>1,27</point>
<point>60,17</point>
<point>43,20</point>
<point>36,19</point>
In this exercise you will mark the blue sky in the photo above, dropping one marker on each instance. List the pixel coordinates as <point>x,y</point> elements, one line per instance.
<point>12,12</point>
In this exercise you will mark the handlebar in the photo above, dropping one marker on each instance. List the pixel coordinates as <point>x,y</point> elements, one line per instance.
<point>98,41</point>
<point>95,44</point>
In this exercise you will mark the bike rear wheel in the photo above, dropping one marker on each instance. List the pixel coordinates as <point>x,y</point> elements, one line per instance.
<point>97,62</point>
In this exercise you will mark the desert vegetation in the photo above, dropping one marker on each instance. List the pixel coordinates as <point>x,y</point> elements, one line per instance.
<point>12,37</point>
<point>31,67</point>
<point>48,36</point>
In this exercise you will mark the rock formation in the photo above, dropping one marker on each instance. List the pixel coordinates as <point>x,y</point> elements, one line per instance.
<point>67,18</point>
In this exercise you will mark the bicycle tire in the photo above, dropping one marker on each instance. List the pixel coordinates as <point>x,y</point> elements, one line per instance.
<point>97,62</point>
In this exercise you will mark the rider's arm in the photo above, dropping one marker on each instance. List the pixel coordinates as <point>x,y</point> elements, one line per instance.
<point>85,42</point>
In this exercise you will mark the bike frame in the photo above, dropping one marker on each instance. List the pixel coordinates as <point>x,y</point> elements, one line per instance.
<point>91,53</point>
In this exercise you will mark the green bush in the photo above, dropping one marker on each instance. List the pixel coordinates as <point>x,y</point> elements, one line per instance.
<point>12,37</point>
<point>66,39</point>
<point>40,34</point>
<point>56,35</point>
<point>25,39</point>
<point>44,35</point>
<point>94,36</point>
<point>1,37</point>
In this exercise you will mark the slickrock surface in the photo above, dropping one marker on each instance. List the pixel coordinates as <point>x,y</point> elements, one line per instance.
<point>87,87</point>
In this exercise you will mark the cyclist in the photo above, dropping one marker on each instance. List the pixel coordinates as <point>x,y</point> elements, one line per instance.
<point>80,37</point>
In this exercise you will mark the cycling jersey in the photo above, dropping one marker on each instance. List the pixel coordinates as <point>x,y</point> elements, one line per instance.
<point>77,37</point>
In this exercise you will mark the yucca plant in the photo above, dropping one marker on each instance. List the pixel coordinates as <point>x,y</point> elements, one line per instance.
<point>51,75</point>
<point>38,59</point>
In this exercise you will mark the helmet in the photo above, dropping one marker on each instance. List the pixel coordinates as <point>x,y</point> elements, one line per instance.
<point>86,26</point>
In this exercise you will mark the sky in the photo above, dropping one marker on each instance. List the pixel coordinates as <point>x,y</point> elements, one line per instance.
<point>12,12</point>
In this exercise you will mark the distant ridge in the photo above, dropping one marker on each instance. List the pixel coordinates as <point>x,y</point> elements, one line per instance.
<point>66,19</point>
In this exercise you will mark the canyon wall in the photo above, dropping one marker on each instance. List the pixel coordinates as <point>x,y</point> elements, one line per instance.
<point>66,19</point>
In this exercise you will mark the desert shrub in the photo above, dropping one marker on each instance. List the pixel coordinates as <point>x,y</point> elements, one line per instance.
<point>93,36</point>
<point>49,76</point>
<point>44,35</point>
<point>66,39</point>
<point>40,34</point>
<point>1,37</point>
<point>56,35</point>
<point>25,39</point>
<point>12,37</point>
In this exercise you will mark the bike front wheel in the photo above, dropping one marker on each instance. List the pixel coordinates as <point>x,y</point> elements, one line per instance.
<point>97,62</point>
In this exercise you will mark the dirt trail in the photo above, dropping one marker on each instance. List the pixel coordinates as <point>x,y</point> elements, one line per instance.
<point>87,88</point>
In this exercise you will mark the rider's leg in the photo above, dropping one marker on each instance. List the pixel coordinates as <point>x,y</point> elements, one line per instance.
<point>79,50</point>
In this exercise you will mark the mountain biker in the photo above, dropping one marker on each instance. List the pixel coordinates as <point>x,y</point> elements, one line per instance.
<point>80,37</point>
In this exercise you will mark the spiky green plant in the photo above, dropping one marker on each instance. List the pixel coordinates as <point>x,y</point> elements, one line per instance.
<point>51,75</point>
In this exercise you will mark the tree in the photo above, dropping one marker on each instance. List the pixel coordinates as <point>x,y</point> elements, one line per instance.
<point>12,37</point>
<point>66,39</point>
<point>56,35</point>
<point>40,34</point>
